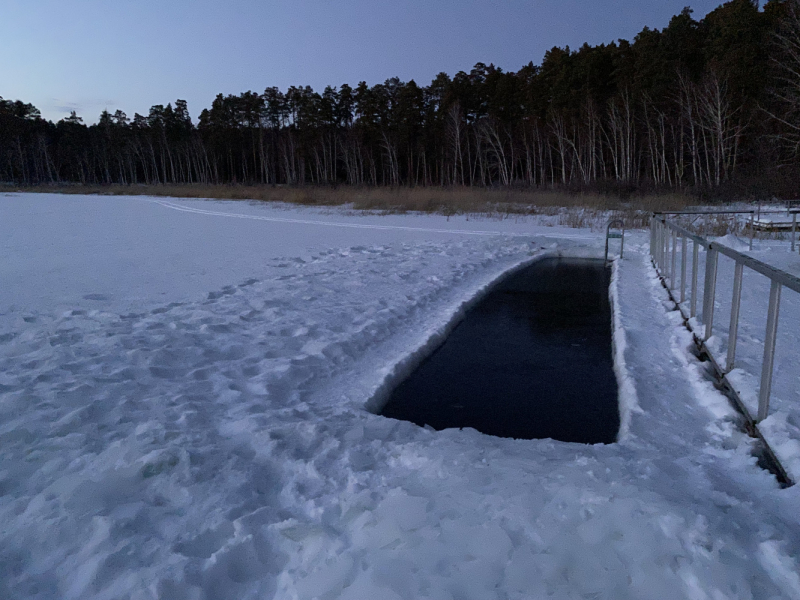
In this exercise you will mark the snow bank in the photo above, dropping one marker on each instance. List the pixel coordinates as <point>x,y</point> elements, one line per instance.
<point>734,242</point>
<point>628,401</point>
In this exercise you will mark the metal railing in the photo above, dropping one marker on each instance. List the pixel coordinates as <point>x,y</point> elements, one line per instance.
<point>664,239</point>
<point>752,224</point>
<point>708,213</point>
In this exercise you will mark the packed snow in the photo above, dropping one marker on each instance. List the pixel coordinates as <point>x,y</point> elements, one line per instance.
<point>188,392</point>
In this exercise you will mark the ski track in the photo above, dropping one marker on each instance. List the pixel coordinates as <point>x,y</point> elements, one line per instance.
<point>213,213</point>
<point>219,448</point>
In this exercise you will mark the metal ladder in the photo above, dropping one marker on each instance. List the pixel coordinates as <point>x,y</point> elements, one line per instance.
<point>617,235</point>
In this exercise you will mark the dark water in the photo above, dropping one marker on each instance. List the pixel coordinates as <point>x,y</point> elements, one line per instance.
<point>531,360</point>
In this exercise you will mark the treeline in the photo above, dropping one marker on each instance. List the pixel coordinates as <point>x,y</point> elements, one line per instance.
<point>699,104</point>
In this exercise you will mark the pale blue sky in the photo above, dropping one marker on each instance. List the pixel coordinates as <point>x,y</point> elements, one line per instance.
<point>90,55</point>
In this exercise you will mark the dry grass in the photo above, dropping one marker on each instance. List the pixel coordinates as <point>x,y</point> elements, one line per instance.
<point>564,208</point>
<point>719,225</point>
<point>557,207</point>
<point>398,200</point>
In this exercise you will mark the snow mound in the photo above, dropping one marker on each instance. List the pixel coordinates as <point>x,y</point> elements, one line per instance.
<point>734,242</point>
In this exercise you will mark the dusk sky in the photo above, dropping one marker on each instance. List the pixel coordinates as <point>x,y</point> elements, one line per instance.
<point>90,55</point>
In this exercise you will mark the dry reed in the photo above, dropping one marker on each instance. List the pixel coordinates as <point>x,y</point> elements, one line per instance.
<point>456,200</point>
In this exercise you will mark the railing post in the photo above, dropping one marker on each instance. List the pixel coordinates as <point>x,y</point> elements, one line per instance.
<point>733,330</point>
<point>683,269</point>
<point>672,261</point>
<point>695,263</point>
<point>659,243</point>
<point>652,234</point>
<point>769,350</point>
<point>752,230</point>
<point>794,228</point>
<point>709,290</point>
<point>654,251</point>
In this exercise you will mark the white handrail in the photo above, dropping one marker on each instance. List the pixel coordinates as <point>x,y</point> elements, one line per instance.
<point>663,247</point>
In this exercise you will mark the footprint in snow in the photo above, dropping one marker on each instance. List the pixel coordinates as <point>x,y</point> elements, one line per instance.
<point>226,291</point>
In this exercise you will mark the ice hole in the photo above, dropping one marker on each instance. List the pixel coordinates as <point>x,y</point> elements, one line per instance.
<point>531,360</point>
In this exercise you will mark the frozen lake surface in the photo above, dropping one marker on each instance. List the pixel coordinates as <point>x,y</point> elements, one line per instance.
<point>186,391</point>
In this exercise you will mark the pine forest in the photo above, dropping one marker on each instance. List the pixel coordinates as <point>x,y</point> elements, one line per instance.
<point>710,105</point>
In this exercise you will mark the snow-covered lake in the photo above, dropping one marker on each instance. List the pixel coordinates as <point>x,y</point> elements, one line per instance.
<point>185,396</point>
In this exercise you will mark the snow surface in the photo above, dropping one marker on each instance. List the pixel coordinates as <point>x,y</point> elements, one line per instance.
<point>184,389</point>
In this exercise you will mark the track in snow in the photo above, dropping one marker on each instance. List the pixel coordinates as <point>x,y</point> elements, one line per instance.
<point>215,213</point>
